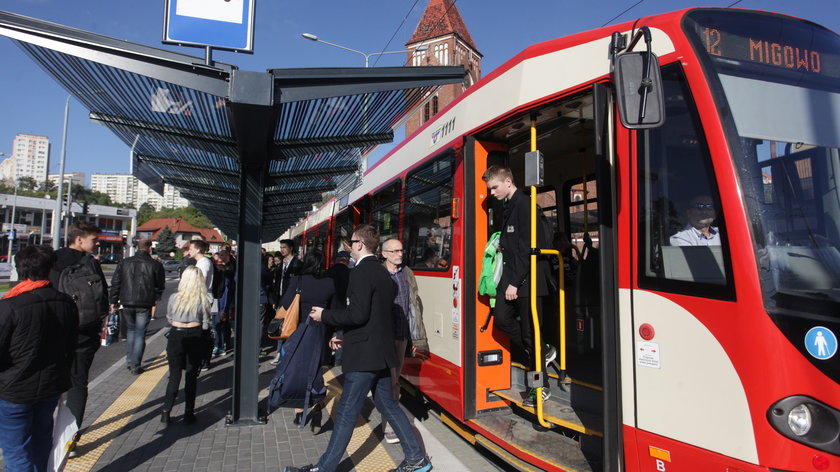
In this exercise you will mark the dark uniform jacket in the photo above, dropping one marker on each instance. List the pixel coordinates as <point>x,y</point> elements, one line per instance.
<point>515,241</point>
<point>138,281</point>
<point>38,332</point>
<point>368,321</point>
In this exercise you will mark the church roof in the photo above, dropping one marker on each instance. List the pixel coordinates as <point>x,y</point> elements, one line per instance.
<point>441,18</point>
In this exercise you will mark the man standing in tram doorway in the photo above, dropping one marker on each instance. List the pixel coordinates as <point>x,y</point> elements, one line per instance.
<point>368,358</point>
<point>514,287</point>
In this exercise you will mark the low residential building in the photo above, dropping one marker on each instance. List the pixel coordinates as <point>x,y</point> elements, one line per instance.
<point>183,232</point>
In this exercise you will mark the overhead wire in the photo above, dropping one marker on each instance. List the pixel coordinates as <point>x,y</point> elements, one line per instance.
<point>734,3</point>
<point>399,27</point>
<point>625,11</point>
<point>434,25</point>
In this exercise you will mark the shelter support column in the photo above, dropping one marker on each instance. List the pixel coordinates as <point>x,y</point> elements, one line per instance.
<point>253,117</point>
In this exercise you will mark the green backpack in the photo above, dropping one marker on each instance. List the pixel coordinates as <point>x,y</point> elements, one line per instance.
<point>491,268</point>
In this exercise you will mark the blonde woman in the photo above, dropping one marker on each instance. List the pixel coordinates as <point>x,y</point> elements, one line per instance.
<point>189,313</point>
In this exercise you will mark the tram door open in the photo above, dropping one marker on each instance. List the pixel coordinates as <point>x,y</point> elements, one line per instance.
<point>570,202</point>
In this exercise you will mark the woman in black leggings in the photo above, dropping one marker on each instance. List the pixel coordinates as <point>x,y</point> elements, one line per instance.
<point>188,313</point>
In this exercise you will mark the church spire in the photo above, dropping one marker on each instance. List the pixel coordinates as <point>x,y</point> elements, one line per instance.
<point>441,18</point>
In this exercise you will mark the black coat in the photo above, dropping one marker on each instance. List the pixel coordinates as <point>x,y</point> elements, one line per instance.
<point>38,333</point>
<point>515,241</point>
<point>368,321</point>
<point>282,279</point>
<point>138,281</point>
<point>340,274</point>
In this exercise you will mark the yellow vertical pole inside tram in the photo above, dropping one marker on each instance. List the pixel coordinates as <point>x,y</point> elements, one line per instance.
<point>538,364</point>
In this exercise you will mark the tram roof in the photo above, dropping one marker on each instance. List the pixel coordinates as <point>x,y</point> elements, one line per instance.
<point>177,114</point>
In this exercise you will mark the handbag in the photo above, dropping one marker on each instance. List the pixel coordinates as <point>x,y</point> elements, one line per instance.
<point>285,321</point>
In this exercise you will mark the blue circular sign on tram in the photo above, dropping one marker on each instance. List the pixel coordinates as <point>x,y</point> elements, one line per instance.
<point>821,342</point>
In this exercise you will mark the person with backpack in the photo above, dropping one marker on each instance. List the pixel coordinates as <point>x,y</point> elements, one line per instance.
<point>78,274</point>
<point>513,290</point>
<point>137,285</point>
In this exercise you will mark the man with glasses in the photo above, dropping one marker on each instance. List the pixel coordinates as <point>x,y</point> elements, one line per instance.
<point>408,315</point>
<point>699,230</point>
<point>368,325</point>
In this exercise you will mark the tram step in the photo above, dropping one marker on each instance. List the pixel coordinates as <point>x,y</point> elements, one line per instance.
<point>581,396</point>
<point>557,410</point>
<point>505,427</point>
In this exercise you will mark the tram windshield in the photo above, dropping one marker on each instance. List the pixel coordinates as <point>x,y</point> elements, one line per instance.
<point>781,80</point>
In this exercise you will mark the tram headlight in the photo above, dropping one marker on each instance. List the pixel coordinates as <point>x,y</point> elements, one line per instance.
<point>799,420</point>
<point>808,421</point>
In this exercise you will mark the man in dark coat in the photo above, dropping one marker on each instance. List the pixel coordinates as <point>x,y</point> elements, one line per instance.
<point>368,325</point>
<point>83,240</point>
<point>137,285</point>
<point>38,334</point>
<point>514,289</point>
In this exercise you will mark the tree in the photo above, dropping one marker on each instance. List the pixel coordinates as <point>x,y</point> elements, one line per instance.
<point>145,213</point>
<point>47,186</point>
<point>27,184</point>
<point>165,243</point>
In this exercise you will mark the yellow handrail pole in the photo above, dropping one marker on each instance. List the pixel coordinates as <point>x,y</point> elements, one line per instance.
<point>533,285</point>
<point>562,300</point>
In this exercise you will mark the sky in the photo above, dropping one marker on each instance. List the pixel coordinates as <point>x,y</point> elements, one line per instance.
<point>32,102</point>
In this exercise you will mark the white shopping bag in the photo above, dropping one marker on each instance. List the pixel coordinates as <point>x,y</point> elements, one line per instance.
<point>63,431</point>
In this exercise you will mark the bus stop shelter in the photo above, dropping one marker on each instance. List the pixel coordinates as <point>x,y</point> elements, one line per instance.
<point>253,151</point>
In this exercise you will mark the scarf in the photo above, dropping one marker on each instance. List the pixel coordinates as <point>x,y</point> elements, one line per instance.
<point>26,286</point>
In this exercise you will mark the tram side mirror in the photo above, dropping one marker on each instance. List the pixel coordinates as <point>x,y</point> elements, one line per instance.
<point>639,90</point>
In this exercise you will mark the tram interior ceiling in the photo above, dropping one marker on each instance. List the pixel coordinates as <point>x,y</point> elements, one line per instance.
<point>251,150</point>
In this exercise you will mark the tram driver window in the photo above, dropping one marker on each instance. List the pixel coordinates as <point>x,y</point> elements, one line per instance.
<point>682,240</point>
<point>427,231</point>
<point>386,211</point>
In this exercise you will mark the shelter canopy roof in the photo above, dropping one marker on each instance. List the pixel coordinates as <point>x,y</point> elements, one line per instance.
<point>178,115</point>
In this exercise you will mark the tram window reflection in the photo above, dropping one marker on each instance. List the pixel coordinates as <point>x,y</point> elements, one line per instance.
<point>427,227</point>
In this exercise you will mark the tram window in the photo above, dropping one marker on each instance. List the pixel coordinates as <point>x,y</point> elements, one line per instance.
<point>427,232</point>
<point>682,240</point>
<point>583,214</point>
<point>343,230</point>
<point>386,211</point>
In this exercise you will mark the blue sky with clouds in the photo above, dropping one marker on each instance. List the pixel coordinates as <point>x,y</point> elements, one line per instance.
<point>33,103</point>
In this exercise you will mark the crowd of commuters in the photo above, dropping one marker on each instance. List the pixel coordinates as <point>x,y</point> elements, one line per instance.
<point>59,309</point>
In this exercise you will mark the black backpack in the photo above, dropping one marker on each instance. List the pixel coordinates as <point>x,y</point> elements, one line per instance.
<point>83,282</point>
<point>217,286</point>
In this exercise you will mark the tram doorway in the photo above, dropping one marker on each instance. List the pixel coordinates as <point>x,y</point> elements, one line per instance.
<point>569,202</point>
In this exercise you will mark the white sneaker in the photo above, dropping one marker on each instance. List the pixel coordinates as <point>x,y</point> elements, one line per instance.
<point>391,438</point>
<point>276,360</point>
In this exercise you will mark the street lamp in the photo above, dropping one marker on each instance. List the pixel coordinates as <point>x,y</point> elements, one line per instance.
<point>367,57</point>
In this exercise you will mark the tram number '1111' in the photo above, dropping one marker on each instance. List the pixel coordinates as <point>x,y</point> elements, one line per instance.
<point>761,50</point>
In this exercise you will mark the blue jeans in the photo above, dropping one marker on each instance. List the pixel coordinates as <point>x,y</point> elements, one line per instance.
<point>26,434</point>
<point>356,387</point>
<point>136,319</point>
<point>221,332</point>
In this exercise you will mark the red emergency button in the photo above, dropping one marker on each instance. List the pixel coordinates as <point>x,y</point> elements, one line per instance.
<point>647,332</point>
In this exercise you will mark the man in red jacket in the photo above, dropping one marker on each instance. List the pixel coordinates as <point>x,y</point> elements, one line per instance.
<point>38,334</point>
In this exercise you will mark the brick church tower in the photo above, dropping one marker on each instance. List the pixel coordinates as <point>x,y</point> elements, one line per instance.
<point>448,43</point>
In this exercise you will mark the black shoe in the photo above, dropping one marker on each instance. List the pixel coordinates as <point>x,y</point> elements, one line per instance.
<point>137,371</point>
<point>164,418</point>
<point>205,366</point>
<point>421,465</point>
<point>298,417</point>
<point>306,468</point>
<point>189,417</point>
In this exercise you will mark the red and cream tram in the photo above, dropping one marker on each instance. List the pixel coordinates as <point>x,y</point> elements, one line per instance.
<point>712,357</point>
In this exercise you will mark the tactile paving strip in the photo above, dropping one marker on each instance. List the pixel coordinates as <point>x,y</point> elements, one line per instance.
<point>365,458</point>
<point>107,427</point>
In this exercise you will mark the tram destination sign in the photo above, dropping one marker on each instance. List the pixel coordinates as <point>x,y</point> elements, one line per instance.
<point>770,40</point>
<point>219,24</point>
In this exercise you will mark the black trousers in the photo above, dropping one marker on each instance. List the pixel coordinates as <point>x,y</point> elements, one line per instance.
<point>88,344</point>
<point>185,349</point>
<point>520,331</point>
